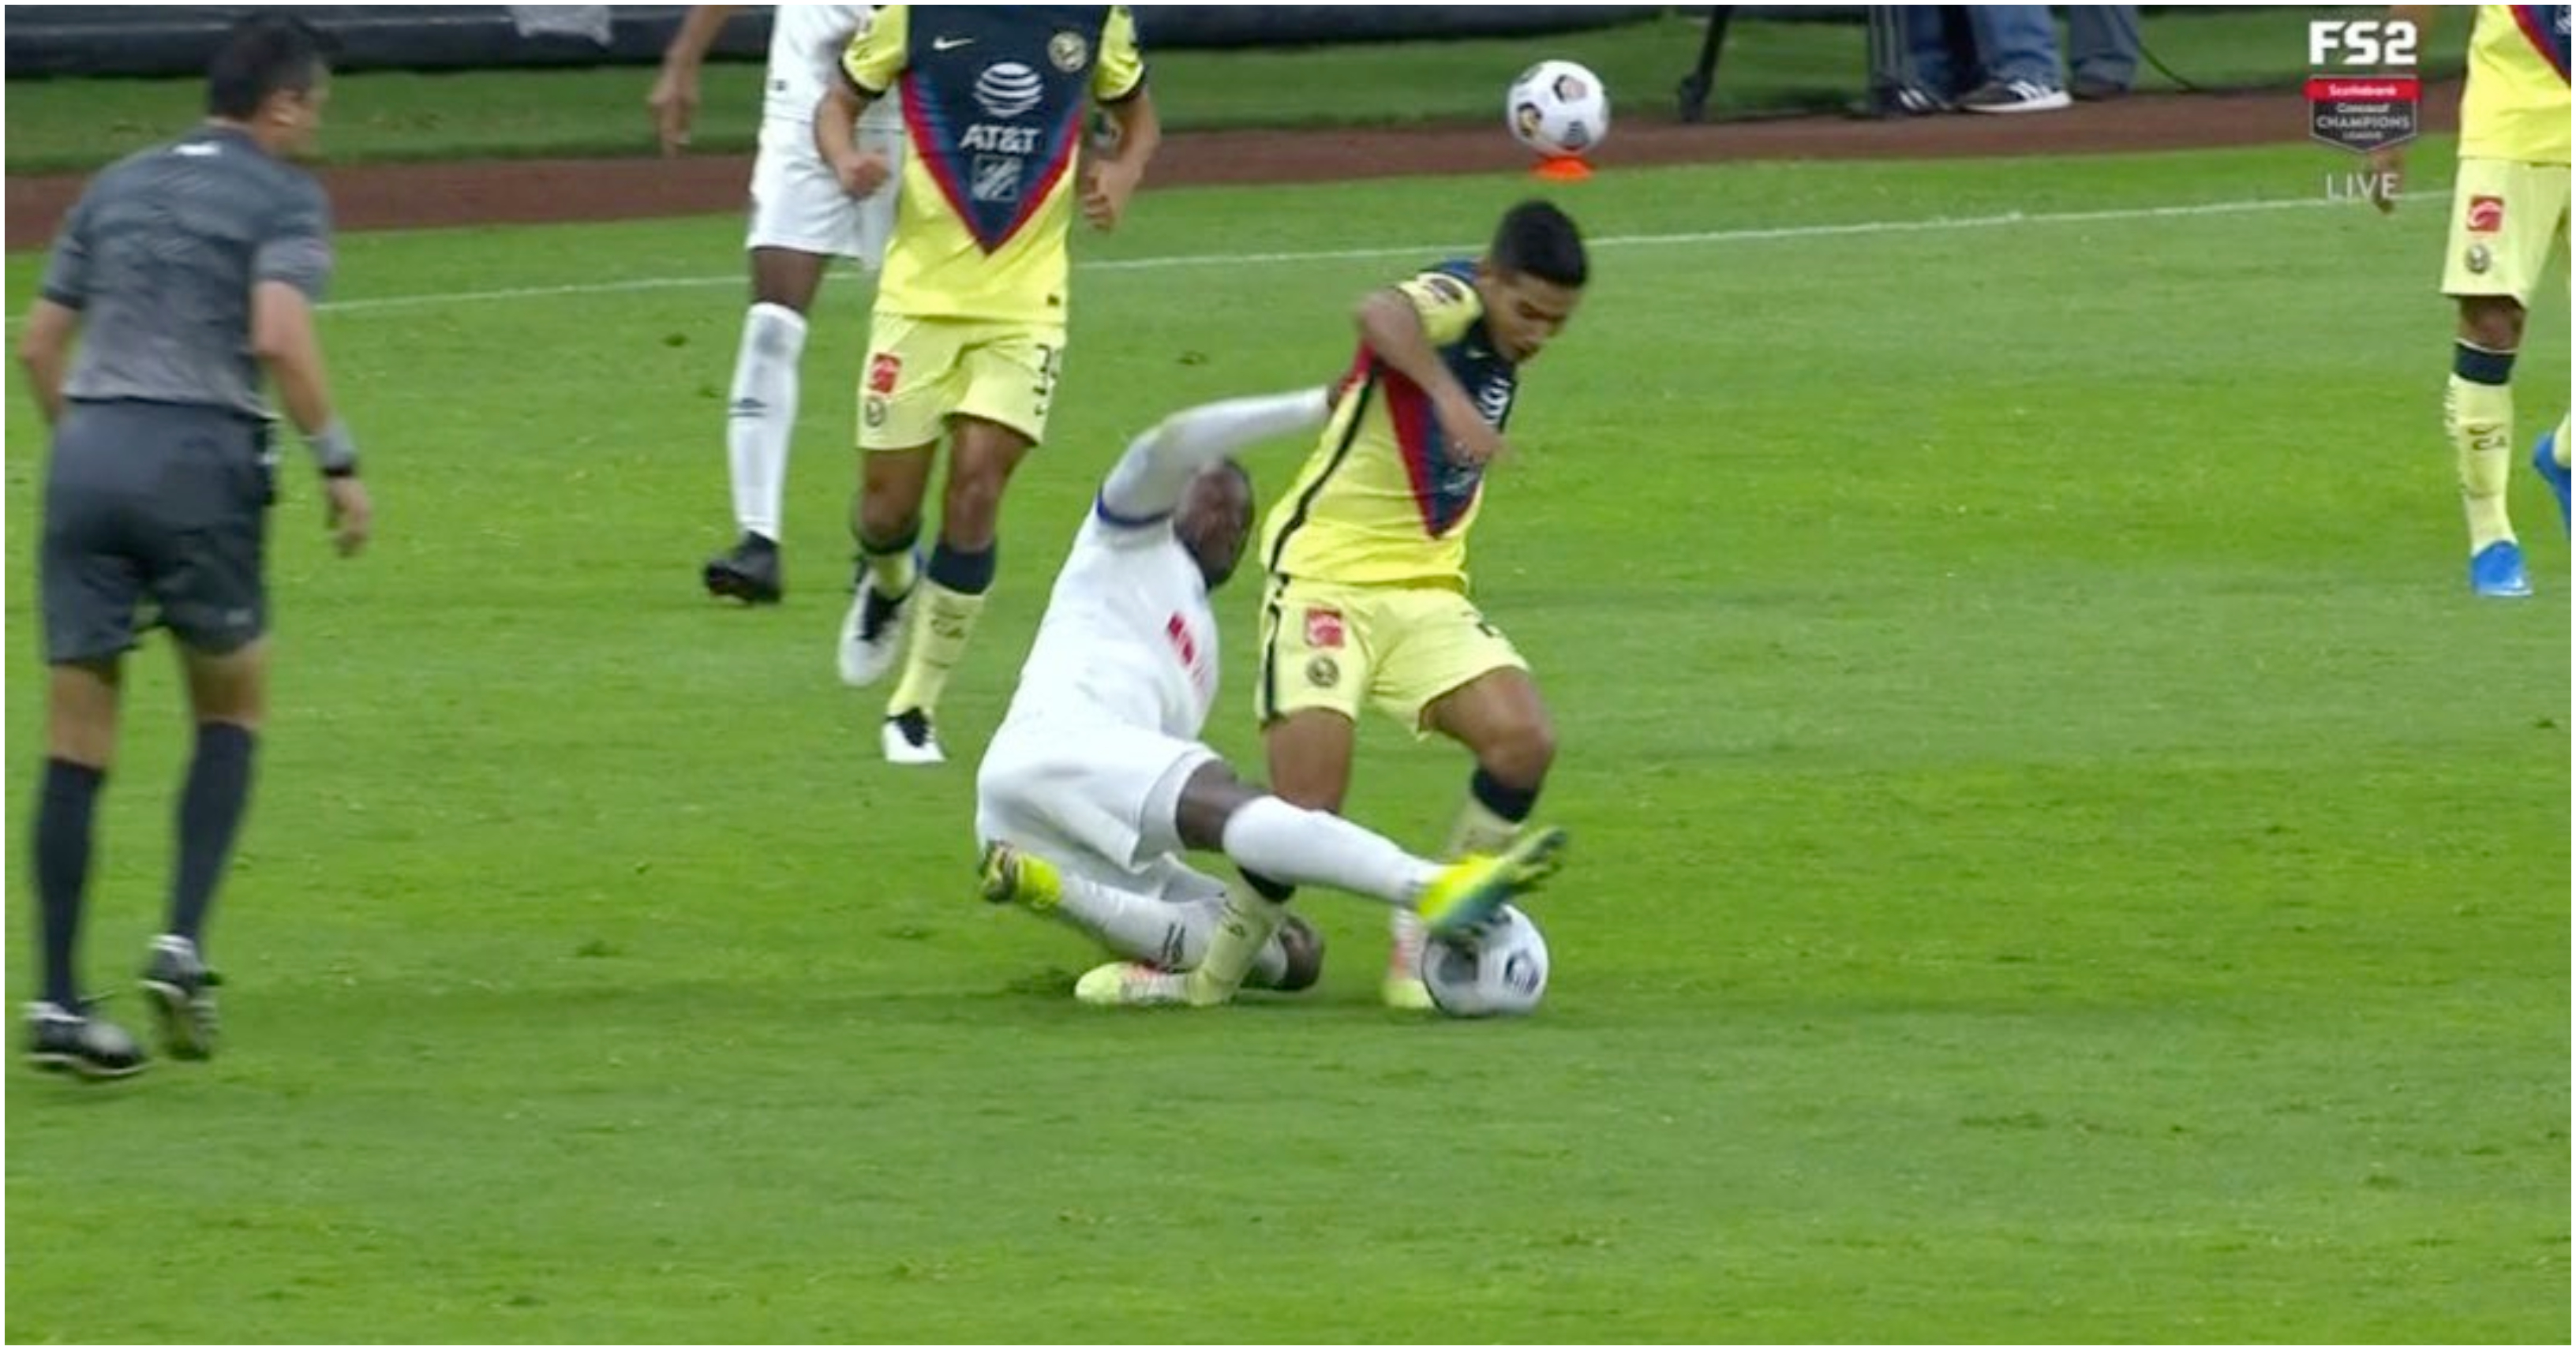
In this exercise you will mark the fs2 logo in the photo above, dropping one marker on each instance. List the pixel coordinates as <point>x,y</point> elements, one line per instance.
<point>2363,95</point>
<point>2360,42</point>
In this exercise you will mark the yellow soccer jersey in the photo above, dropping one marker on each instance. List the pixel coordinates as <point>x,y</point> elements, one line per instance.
<point>993,98</point>
<point>1379,502</point>
<point>2515,107</point>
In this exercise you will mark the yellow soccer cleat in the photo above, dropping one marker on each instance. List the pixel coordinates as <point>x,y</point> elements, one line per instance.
<point>1010,875</point>
<point>1406,993</point>
<point>1467,894</point>
<point>1132,984</point>
<point>1403,988</point>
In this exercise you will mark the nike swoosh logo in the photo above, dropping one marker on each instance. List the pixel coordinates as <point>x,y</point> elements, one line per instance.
<point>948,44</point>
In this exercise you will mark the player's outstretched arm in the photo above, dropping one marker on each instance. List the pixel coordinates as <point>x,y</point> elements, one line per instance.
<point>1149,479</point>
<point>674,100</point>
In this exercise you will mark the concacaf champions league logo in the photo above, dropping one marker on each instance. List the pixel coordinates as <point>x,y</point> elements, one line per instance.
<point>2364,94</point>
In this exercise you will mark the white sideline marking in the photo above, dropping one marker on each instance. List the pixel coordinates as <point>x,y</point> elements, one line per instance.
<point>1928,224</point>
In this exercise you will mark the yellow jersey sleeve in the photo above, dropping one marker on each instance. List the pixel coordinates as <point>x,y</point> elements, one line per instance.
<point>876,56</point>
<point>1121,69</point>
<point>2515,106</point>
<point>1448,306</point>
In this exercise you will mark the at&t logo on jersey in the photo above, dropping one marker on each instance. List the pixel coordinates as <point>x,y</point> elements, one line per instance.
<point>1005,91</point>
<point>1008,89</point>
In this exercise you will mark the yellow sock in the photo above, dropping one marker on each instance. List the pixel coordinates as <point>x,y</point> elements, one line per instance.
<point>939,632</point>
<point>2479,418</point>
<point>1476,830</point>
<point>1242,930</point>
<point>891,572</point>
<point>2558,445</point>
<point>1479,830</point>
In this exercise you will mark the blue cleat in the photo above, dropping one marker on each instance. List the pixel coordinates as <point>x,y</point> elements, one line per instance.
<point>2544,458</point>
<point>2496,572</point>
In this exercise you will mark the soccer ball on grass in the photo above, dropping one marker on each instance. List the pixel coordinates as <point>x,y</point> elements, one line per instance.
<point>1498,971</point>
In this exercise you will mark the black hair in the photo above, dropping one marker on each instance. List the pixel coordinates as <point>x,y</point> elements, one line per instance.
<point>264,54</point>
<point>1537,239</point>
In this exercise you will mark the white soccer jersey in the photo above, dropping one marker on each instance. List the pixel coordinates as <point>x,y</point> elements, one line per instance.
<point>1128,638</point>
<point>805,46</point>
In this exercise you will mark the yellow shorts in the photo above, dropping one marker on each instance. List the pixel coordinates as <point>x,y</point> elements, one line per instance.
<point>2506,218</point>
<point>1396,648</point>
<point>921,372</point>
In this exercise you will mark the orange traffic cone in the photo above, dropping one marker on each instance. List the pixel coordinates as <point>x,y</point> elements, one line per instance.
<point>1563,169</point>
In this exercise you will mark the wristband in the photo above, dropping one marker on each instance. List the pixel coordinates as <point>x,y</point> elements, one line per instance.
<point>334,451</point>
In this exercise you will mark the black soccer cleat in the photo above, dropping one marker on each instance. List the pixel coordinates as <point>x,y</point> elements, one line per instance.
<point>181,991</point>
<point>69,1040</point>
<point>749,572</point>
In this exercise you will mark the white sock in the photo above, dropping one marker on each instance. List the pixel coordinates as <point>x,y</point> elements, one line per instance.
<point>1270,838</point>
<point>761,414</point>
<point>1172,934</point>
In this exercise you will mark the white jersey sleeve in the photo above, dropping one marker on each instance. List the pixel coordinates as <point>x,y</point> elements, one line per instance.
<point>1146,484</point>
<point>805,43</point>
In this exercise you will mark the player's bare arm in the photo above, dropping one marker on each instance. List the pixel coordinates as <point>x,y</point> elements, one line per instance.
<point>1392,328</point>
<point>1114,179</point>
<point>45,353</point>
<point>836,138</point>
<point>2388,162</point>
<point>674,100</point>
<point>282,338</point>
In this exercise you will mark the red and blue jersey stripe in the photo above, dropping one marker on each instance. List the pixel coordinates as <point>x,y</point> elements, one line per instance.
<point>1444,489</point>
<point>2546,27</point>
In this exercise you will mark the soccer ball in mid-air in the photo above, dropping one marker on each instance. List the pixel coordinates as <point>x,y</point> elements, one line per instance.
<point>1500,971</point>
<point>1559,109</point>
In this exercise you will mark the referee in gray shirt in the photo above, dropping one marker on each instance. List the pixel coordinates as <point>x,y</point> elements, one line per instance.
<point>182,272</point>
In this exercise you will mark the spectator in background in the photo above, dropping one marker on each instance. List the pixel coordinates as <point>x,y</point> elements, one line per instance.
<point>2102,50</point>
<point>2007,64</point>
<point>2004,58</point>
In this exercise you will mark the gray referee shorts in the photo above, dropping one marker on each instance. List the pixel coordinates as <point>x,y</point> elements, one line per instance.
<point>159,505</point>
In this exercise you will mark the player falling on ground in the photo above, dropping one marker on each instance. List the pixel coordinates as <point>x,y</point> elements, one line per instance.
<point>1097,780</point>
<point>182,271</point>
<point>968,334</point>
<point>801,219</point>
<point>1367,551</point>
<point>2508,211</point>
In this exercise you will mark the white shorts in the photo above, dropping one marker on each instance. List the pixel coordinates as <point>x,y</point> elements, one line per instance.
<point>1100,799</point>
<point>797,204</point>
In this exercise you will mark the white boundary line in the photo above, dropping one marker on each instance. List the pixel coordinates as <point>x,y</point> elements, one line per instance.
<point>1867,227</point>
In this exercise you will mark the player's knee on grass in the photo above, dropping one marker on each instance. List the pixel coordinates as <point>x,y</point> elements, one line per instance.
<point>2493,322</point>
<point>1304,948</point>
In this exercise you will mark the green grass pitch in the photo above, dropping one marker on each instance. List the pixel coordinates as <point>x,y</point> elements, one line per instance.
<point>2059,855</point>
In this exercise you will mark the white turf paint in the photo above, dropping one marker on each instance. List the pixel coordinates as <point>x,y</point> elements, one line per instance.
<point>1867,227</point>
